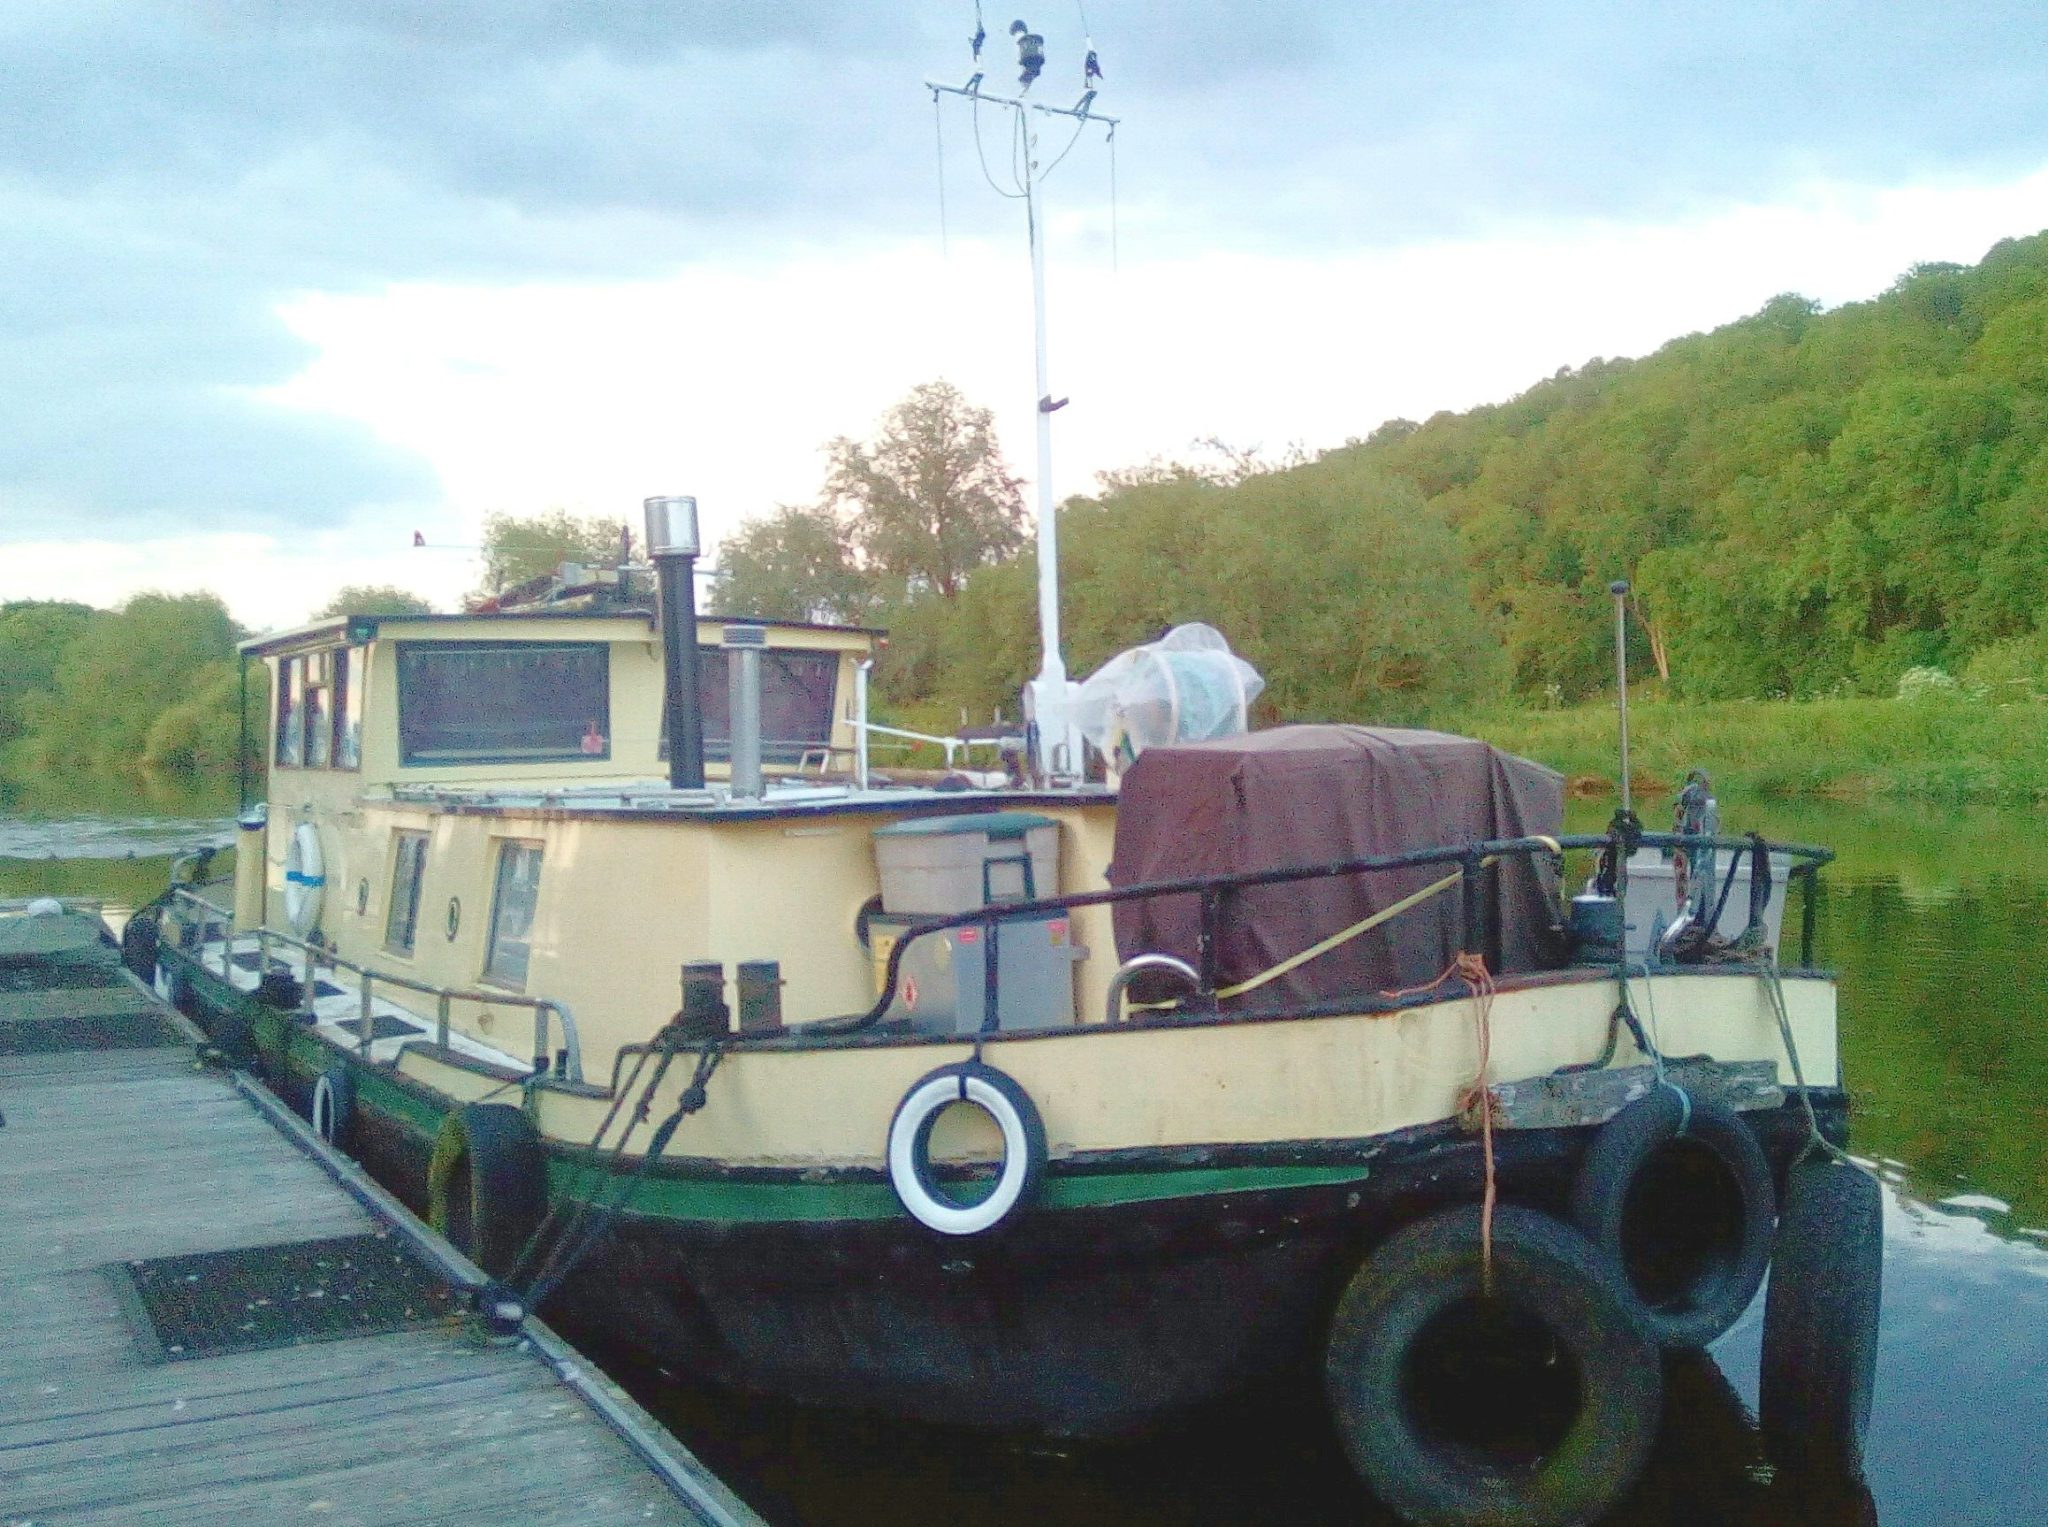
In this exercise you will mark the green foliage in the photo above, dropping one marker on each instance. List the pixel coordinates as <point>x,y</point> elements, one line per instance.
<point>1942,748</point>
<point>124,670</point>
<point>794,565</point>
<point>1805,501</point>
<point>1328,577</point>
<point>197,734</point>
<point>2015,669</point>
<point>929,499</point>
<point>518,548</point>
<point>373,599</point>
<point>907,516</point>
<point>33,636</point>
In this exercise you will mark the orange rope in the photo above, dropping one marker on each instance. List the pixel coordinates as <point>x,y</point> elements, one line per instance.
<point>1479,1099</point>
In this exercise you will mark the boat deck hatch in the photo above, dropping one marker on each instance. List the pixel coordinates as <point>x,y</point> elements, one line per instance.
<point>382,1026</point>
<point>259,1297</point>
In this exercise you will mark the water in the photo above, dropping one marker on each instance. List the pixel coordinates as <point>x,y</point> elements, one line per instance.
<point>1938,924</point>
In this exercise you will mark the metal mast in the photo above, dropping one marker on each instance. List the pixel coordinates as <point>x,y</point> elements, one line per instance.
<point>1057,743</point>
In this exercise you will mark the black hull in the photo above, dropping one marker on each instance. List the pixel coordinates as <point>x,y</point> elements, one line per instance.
<point>1081,1322</point>
<point>1064,1321</point>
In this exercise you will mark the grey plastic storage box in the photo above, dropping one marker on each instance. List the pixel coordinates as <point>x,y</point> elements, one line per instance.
<point>936,866</point>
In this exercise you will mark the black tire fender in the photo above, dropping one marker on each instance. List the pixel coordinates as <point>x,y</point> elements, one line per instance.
<point>487,1183</point>
<point>1601,1378</point>
<point>332,1108</point>
<point>1675,1194</point>
<point>908,1151</point>
<point>1821,1320</point>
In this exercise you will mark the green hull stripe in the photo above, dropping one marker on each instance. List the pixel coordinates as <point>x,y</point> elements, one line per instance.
<point>809,1202</point>
<point>714,1200</point>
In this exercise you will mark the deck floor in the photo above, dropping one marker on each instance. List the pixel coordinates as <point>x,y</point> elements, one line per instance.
<point>116,1154</point>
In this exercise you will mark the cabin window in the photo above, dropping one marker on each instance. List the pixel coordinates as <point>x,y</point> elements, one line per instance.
<point>349,666</point>
<point>401,922</point>
<point>512,903</point>
<point>316,674</point>
<point>796,703</point>
<point>525,702</point>
<point>291,717</point>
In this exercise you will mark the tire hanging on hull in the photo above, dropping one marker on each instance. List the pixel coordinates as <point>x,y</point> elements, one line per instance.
<point>333,1108</point>
<point>487,1183</point>
<point>1820,1323</point>
<point>911,1174</point>
<point>1676,1194</point>
<point>1534,1405</point>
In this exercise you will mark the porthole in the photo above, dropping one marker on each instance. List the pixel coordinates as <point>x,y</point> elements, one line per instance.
<point>454,917</point>
<point>362,897</point>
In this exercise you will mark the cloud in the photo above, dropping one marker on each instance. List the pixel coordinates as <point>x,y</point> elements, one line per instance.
<point>174,172</point>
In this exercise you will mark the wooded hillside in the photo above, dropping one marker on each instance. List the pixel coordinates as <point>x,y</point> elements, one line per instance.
<point>1807,502</point>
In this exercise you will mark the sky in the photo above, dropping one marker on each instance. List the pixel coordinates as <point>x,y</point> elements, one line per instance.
<point>283,282</point>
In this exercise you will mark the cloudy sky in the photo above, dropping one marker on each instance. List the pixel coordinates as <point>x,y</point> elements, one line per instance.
<point>283,281</point>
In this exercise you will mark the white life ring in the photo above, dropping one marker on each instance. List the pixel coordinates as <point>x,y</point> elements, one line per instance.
<point>304,879</point>
<point>910,1138</point>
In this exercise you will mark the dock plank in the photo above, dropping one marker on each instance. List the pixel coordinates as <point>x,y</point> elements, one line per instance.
<point>73,1002</point>
<point>113,1155</point>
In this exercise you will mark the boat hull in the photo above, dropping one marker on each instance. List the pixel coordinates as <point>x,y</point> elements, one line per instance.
<point>1144,1283</point>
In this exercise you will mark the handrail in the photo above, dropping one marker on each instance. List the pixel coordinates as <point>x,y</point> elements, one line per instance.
<point>1213,889</point>
<point>315,956</point>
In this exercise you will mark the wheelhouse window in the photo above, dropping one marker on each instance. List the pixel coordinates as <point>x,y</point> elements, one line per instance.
<point>317,672</point>
<point>523,702</point>
<point>320,710</point>
<point>291,715</point>
<point>796,703</point>
<point>512,904</point>
<point>401,921</point>
<point>348,708</point>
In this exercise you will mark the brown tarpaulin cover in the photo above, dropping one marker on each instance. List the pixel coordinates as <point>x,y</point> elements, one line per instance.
<point>1303,795</point>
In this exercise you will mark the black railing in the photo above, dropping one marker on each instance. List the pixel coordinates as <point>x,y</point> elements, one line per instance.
<point>1217,891</point>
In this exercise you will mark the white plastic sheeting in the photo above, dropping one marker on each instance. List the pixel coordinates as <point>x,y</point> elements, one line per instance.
<point>1186,687</point>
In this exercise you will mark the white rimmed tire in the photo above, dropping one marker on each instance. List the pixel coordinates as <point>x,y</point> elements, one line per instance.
<point>910,1136</point>
<point>333,1106</point>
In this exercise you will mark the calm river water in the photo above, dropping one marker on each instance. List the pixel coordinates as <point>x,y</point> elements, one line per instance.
<point>1938,923</point>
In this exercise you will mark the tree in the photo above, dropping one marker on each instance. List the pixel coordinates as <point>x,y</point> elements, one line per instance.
<point>123,671</point>
<point>33,636</point>
<point>373,599</point>
<point>930,499</point>
<point>518,548</point>
<point>794,565</point>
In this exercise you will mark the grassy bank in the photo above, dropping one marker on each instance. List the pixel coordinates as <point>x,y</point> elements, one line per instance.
<point>1932,748</point>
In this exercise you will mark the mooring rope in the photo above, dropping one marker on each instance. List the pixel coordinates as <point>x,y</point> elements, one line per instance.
<point>1767,968</point>
<point>1479,1099</point>
<point>570,1247</point>
<point>588,1172</point>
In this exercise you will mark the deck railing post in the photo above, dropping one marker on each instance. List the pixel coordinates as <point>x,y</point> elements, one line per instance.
<point>991,979</point>
<point>441,1020</point>
<point>365,1025</point>
<point>1470,869</point>
<point>1808,895</point>
<point>1212,905</point>
<point>308,973</point>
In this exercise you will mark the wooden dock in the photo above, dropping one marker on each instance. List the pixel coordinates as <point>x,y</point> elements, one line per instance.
<point>120,1149</point>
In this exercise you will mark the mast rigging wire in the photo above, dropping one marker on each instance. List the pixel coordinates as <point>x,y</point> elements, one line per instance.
<point>939,129</point>
<point>1113,263</point>
<point>982,158</point>
<point>1079,128</point>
